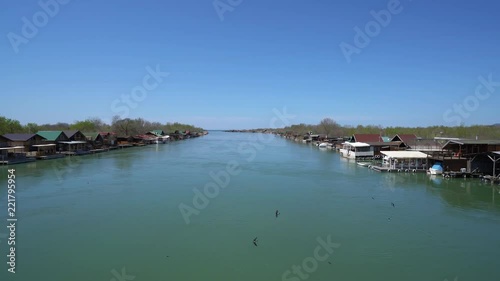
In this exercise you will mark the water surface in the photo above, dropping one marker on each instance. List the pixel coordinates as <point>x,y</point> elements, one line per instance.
<point>84,218</point>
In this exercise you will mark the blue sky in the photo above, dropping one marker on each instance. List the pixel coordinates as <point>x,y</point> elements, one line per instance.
<point>263,55</point>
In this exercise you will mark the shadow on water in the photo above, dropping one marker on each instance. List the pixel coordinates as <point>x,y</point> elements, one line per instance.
<point>460,193</point>
<point>466,193</point>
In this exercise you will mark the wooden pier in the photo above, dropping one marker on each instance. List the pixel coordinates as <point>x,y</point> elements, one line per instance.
<point>17,161</point>
<point>99,150</point>
<point>461,174</point>
<point>491,179</point>
<point>51,156</point>
<point>390,170</point>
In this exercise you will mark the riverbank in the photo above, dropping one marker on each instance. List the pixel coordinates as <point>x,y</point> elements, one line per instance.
<point>48,145</point>
<point>127,201</point>
<point>408,153</point>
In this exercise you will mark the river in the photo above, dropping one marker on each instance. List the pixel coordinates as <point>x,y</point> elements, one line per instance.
<point>190,210</point>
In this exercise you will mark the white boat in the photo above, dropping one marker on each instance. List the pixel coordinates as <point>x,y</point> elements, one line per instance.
<point>436,169</point>
<point>163,139</point>
<point>323,145</point>
<point>355,150</point>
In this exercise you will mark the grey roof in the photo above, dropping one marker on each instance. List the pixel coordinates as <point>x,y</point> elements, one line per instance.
<point>70,133</point>
<point>20,137</point>
<point>462,142</point>
<point>383,143</point>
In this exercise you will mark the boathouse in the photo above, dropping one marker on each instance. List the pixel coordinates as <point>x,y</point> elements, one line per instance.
<point>356,150</point>
<point>54,137</point>
<point>407,161</point>
<point>405,140</point>
<point>366,138</point>
<point>383,146</point>
<point>13,155</point>
<point>470,148</point>
<point>156,133</point>
<point>124,141</point>
<point>4,142</point>
<point>25,140</point>
<point>486,163</point>
<point>76,143</point>
<point>469,155</point>
<point>46,151</point>
<point>96,140</point>
<point>109,139</point>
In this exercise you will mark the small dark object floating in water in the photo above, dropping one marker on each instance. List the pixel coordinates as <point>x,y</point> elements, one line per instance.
<point>373,198</point>
<point>393,204</point>
<point>255,242</point>
<point>277,213</point>
<point>329,263</point>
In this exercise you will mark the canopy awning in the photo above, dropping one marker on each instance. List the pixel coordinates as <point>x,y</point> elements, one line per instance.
<point>405,154</point>
<point>356,144</point>
<point>72,142</point>
<point>11,147</point>
<point>44,145</point>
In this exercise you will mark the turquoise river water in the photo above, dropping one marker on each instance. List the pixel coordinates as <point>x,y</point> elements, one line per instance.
<point>129,215</point>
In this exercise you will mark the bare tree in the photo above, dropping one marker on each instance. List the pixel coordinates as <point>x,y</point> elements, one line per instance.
<point>329,126</point>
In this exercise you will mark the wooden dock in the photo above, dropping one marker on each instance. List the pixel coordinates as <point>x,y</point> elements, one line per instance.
<point>17,161</point>
<point>491,179</point>
<point>457,174</point>
<point>390,170</point>
<point>52,156</point>
<point>99,150</point>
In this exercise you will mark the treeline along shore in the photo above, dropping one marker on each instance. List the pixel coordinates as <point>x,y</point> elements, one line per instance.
<point>329,127</point>
<point>31,142</point>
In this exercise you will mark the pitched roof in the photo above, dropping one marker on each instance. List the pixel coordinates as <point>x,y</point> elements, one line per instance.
<point>50,135</point>
<point>19,137</point>
<point>92,136</point>
<point>462,142</point>
<point>406,138</point>
<point>367,138</point>
<point>3,141</point>
<point>384,143</point>
<point>70,133</point>
<point>157,132</point>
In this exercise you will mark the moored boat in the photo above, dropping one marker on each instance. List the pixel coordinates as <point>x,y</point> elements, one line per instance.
<point>323,145</point>
<point>436,169</point>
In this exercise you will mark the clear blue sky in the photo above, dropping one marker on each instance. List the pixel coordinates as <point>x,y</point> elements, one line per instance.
<point>263,55</point>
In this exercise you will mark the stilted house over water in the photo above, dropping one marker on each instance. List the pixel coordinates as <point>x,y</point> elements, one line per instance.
<point>76,143</point>
<point>54,137</point>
